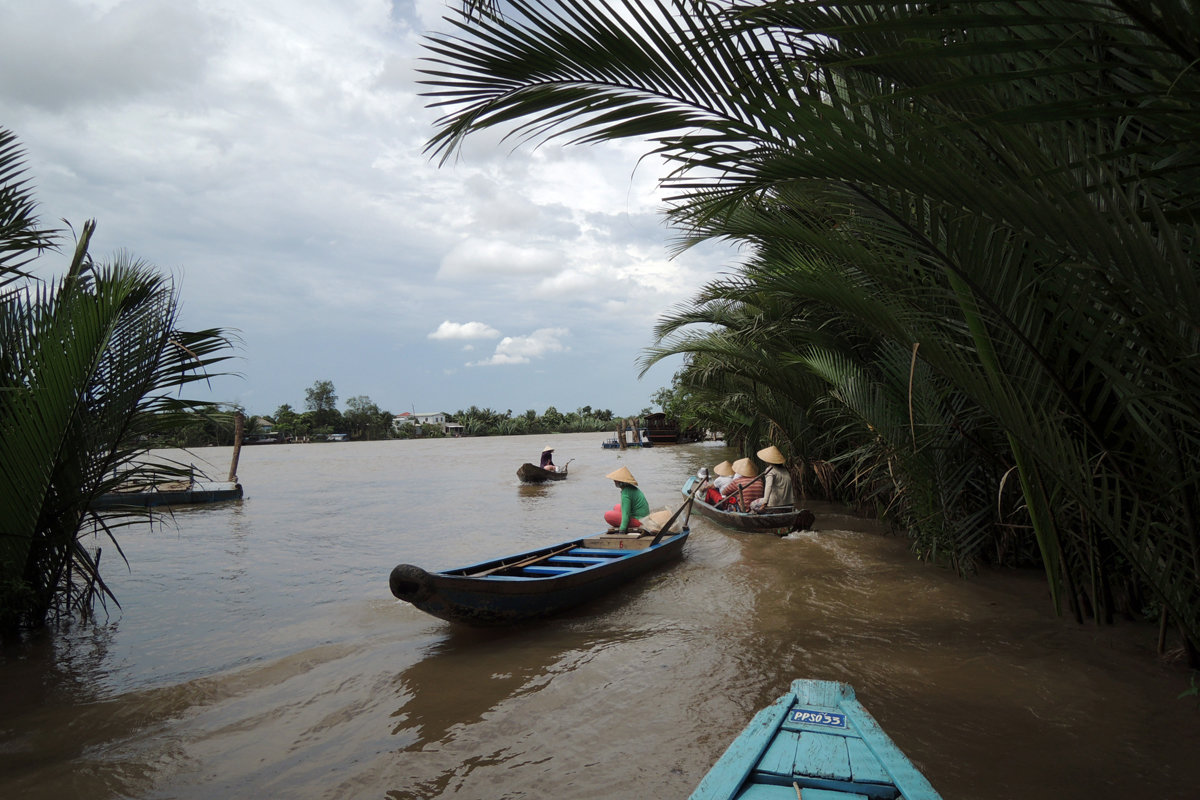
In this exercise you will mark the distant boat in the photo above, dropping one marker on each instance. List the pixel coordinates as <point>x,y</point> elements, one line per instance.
<point>818,742</point>
<point>182,492</point>
<point>186,494</point>
<point>536,583</point>
<point>532,473</point>
<point>779,523</point>
<point>615,444</point>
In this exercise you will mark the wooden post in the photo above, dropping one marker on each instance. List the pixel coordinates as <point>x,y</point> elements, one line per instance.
<point>239,424</point>
<point>621,432</point>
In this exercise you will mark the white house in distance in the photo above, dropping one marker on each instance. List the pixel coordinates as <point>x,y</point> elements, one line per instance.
<point>438,419</point>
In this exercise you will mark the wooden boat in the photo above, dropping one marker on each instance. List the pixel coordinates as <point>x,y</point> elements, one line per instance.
<point>536,583</point>
<point>660,429</point>
<point>193,494</point>
<point>817,742</point>
<point>532,473</point>
<point>779,523</point>
<point>192,491</point>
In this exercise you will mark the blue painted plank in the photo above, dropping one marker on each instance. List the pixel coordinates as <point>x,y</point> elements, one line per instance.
<point>864,766</point>
<point>762,791</point>
<point>766,791</point>
<point>535,570</point>
<point>579,560</point>
<point>780,757</point>
<point>589,551</point>
<point>828,694</point>
<point>822,756</point>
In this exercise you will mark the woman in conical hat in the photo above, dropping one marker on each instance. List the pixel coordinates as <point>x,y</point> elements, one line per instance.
<point>746,487</point>
<point>777,482</point>
<point>633,505</point>
<point>724,472</point>
<point>548,459</point>
<point>771,455</point>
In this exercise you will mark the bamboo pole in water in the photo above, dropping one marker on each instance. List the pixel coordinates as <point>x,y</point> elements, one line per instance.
<point>239,424</point>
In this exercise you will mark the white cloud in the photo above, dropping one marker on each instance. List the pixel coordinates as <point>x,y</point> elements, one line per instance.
<point>464,330</point>
<point>523,349</point>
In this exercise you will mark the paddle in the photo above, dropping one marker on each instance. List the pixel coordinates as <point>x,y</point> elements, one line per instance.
<point>686,504</point>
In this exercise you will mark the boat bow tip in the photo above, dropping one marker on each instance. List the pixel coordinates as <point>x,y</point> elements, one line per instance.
<point>410,583</point>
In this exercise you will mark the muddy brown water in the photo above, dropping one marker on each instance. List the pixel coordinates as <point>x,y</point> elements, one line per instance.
<point>258,653</point>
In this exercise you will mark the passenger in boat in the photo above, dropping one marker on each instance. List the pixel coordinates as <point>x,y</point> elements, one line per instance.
<point>548,459</point>
<point>777,482</point>
<point>724,472</point>
<point>746,487</point>
<point>633,505</point>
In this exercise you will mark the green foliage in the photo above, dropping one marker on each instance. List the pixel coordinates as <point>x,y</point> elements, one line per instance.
<point>365,420</point>
<point>90,369</point>
<point>970,280</point>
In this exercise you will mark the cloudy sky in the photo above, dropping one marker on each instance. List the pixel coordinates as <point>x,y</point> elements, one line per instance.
<point>269,154</point>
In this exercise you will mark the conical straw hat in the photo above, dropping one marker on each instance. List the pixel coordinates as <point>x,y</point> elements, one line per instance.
<point>771,455</point>
<point>724,469</point>
<point>745,467</point>
<point>547,447</point>
<point>623,475</point>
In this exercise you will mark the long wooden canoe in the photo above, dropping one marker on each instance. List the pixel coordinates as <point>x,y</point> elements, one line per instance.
<point>817,742</point>
<point>536,583</point>
<point>193,495</point>
<point>532,473</point>
<point>779,523</point>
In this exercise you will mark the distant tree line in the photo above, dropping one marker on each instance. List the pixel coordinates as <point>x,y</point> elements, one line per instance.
<point>364,420</point>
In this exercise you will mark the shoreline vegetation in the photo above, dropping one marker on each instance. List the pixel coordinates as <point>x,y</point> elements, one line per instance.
<point>969,290</point>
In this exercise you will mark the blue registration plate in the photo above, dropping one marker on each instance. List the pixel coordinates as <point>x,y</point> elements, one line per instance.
<point>826,719</point>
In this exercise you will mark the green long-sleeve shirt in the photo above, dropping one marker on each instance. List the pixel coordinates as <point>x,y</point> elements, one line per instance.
<point>634,505</point>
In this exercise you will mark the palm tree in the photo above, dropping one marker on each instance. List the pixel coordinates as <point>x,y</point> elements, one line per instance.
<point>89,365</point>
<point>1016,180</point>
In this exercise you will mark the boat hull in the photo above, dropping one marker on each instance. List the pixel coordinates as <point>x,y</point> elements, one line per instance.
<point>779,524</point>
<point>532,473</point>
<point>816,737</point>
<point>534,584</point>
<point>183,497</point>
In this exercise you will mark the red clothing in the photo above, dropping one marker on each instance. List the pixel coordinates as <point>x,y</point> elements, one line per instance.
<point>752,489</point>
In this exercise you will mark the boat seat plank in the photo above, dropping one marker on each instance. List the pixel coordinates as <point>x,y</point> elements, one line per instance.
<point>536,570</point>
<point>582,561</point>
<point>590,551</point>
<point>765,791</point>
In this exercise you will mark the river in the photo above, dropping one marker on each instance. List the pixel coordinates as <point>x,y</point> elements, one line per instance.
<point>257,651</point>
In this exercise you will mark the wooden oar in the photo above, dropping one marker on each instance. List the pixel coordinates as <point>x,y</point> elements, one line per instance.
<point>525,563</point>
<point>686,504</point>
<point>695,493</point>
